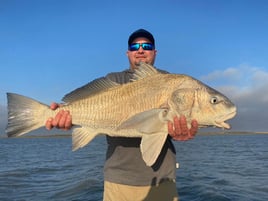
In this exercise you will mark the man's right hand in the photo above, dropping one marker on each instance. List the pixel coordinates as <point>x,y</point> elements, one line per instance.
<point>62,120</point>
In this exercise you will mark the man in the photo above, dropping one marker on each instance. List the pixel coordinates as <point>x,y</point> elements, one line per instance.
<point>126,175</point>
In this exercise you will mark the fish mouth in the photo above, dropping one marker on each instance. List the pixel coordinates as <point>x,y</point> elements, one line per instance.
<point>220,122</point>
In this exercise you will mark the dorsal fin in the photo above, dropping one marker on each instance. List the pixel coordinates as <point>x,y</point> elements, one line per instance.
<point>89,89</point>
<point>104,83</point>
<point>143,70</point>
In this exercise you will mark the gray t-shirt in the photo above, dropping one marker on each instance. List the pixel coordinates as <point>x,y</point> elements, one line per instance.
<point>124,163</point>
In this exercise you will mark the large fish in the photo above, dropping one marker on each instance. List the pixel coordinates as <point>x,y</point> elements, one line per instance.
<point>140,108</point>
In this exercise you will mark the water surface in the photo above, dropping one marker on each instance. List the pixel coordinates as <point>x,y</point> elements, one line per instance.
<point>220,168</point>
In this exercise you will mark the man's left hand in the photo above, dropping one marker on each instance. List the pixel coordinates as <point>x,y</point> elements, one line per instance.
<point>178,129</point>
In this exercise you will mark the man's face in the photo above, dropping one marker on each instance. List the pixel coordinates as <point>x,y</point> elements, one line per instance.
<point>136,56</point>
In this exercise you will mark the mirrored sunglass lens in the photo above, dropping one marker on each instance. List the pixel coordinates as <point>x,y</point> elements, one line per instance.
<point>147,46</point>
<point>134,46</point>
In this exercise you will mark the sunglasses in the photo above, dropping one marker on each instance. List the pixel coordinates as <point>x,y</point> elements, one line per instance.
<point>145,46</point>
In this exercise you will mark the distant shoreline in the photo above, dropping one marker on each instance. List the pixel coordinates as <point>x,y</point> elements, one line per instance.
<point>41,136</point>
<point>232,132</point>
<point>204,133</point>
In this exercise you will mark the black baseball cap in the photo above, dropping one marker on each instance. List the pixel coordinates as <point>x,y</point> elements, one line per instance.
<point>140,33</point>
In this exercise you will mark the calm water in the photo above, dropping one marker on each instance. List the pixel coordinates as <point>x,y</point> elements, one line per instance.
<point>220,168</point>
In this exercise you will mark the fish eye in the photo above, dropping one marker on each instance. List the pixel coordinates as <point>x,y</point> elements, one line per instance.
<point>214,100</point>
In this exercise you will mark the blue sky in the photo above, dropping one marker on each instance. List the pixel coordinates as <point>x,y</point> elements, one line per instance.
<point>48,48</point>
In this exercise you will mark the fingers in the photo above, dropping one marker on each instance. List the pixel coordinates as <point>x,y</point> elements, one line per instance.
<point>68,122</point>
<point>194,128</point>
<point>175,129</point>
<point>56,119</point>
<point>48,124</point>
<point>178,130</point>
<point>62,120</point>
<point>182,123</point>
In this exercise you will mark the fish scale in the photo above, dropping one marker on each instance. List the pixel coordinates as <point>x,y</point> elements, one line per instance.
<point>140,108</point>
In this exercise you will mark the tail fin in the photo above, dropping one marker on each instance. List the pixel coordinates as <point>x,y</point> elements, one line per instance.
<point>24,115</point>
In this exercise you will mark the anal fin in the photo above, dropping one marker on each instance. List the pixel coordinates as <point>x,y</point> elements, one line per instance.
<point>81,136</point>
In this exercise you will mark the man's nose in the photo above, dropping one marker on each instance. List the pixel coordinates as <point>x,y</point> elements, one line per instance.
<point>140,50</point>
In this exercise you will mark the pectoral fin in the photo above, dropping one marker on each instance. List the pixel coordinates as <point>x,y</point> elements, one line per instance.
<point>151,121</point>
<point>82,136</point>
<point>151,146</point>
